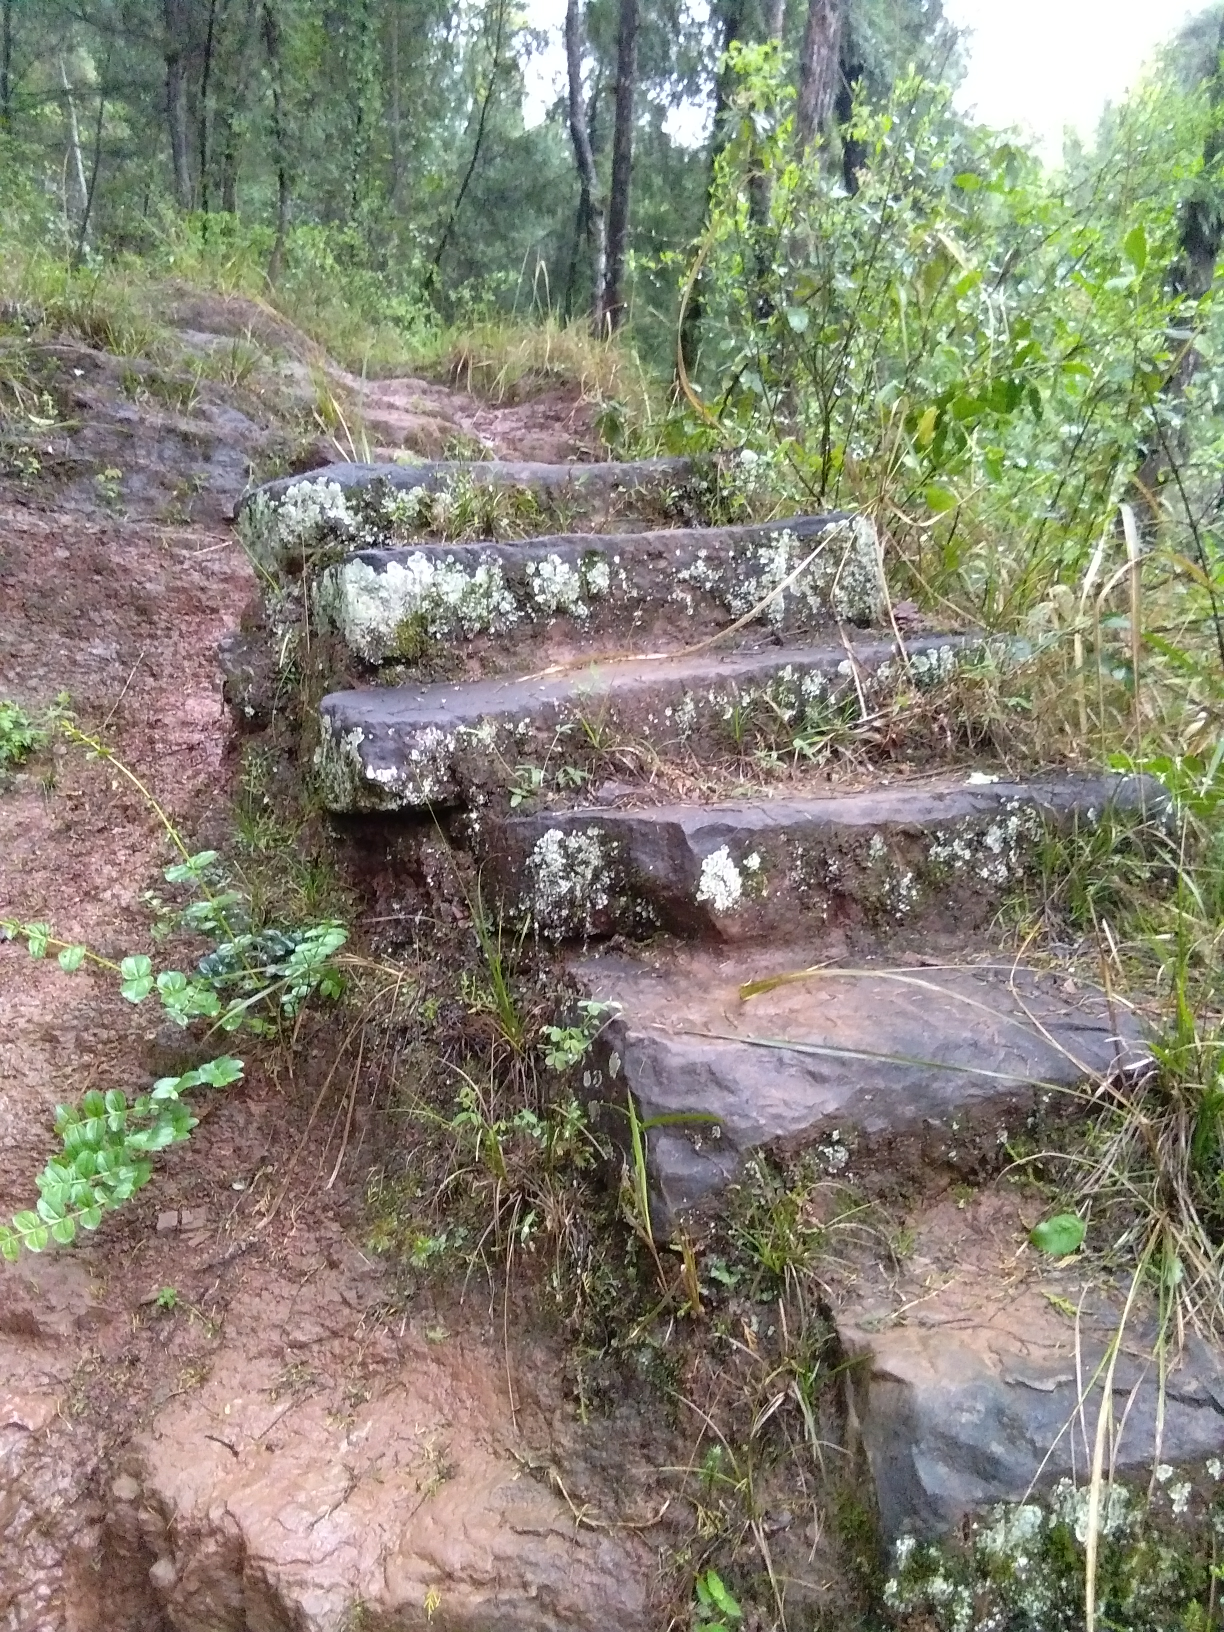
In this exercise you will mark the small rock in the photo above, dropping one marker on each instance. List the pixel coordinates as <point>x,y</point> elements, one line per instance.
<point>167,1221</point>
<point>163,1574</point>
<point>125,1488</point>
<point>193,1218</point>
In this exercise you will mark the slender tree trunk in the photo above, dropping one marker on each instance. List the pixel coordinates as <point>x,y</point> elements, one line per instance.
<point>481,123</point>
<point>819,59</point>
<point>229,111</point>
<point>759,190</point>
<point>175,52</point>
<point>854,152</point>
<point>6,66</point>
<point>393,71</point>
<point>622,164</point>
<point>272,45</point>
<point>733,30</point>
<point>74,136</point>
<point>590,207</point>
<point>205,76</point>
<point>95,166</point>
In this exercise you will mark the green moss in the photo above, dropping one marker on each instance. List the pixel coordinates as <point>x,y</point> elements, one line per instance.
<point>411,640</point>
<point>1022,1567</point>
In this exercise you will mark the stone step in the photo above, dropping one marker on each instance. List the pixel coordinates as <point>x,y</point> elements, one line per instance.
<point>286,523</point>
<point>936,851</point>
<point>876,1069</point>
<point>978,1369</point>
<point>414,747</point>
<point>580,592</point>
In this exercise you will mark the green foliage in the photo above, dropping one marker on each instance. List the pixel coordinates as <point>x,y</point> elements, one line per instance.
<point>1023,1568</point>
<point>108,1145</point>
<point>1058,1236</point>
<point>253,979</point>
<point>714,1609</point>
<point>969,346</point>
<point>19,736</point>
<point>567,1045</point>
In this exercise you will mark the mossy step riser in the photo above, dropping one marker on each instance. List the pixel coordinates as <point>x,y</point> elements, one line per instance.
<point>286,524</point>
<point>670,587</point>
<point>415,748</point>
<point>941,857</point>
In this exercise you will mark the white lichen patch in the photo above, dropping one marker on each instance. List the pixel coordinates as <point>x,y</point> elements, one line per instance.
<point>370,606</point>
<point>339,771</point>
<point>998,853</point>
<point>721,884</point>
<point>596,575</point>
<point>569,887</point>
<point>554,586</point>
<point>352,779</point>
<point>839,573</point>
<point>307,514</point>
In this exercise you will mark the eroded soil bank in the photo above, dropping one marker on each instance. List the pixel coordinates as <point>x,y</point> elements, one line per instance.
<point>281,1440</point>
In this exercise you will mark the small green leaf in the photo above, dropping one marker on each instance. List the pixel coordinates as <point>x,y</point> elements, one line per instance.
<point>64,1231</point>
<point>191,870</point>
<point>220,1073</point>
<point>1060,1235</point>
<point>1134,247</point>
<point>940,498</point>
<point>797,318</point>
<point>71,959</point>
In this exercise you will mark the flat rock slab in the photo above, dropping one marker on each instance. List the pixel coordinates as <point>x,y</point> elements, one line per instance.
<point>880,1070</point>
<point>969,1369</point>
<point>285,523</point>
<point>414,747</point>
<point>581,591</point>
<point>433,474</point>
<point>940,851</point>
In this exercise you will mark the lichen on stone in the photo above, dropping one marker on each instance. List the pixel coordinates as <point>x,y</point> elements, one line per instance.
<point>369,605</point>
<point>721,884</point>
<point>1023,1566</point>
<point>307,514</point>
<point>569,887</point>
<point>555,587</point>
<point>998,852</point>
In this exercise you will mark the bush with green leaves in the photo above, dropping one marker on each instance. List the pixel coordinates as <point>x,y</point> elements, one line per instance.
<point>19,736</point>
<point>253,979</point>
<point>981,352</point>
<point>108,1143</point>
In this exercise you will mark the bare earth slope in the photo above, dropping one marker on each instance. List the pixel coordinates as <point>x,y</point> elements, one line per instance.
<point>286,1446</point>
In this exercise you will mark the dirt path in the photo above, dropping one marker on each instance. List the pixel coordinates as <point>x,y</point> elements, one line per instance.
<point>287,1443</point>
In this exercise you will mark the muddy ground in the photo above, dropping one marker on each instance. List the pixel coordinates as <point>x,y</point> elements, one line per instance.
<point>292,1444</point>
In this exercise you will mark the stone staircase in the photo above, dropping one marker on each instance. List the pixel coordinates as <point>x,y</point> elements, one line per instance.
<point>627,726</point>
<point>701,764</point>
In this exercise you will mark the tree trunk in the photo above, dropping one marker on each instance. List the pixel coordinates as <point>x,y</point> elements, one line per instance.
<point>819,59</point>
<point>622,164</point>
<point>733,28</point>
<point>1202,222</point>
<point>590,207</point>
<point>231,101</point>
<point>393,71</point>
<point>92,190</point>
<point>854,152</point>
<point>205,76</point>
<point>6,67</point>
<point>175,53</point>
<point>485,105</point>
<point>74,138</point>
<point>759,191</point>
<point>272,45</point>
